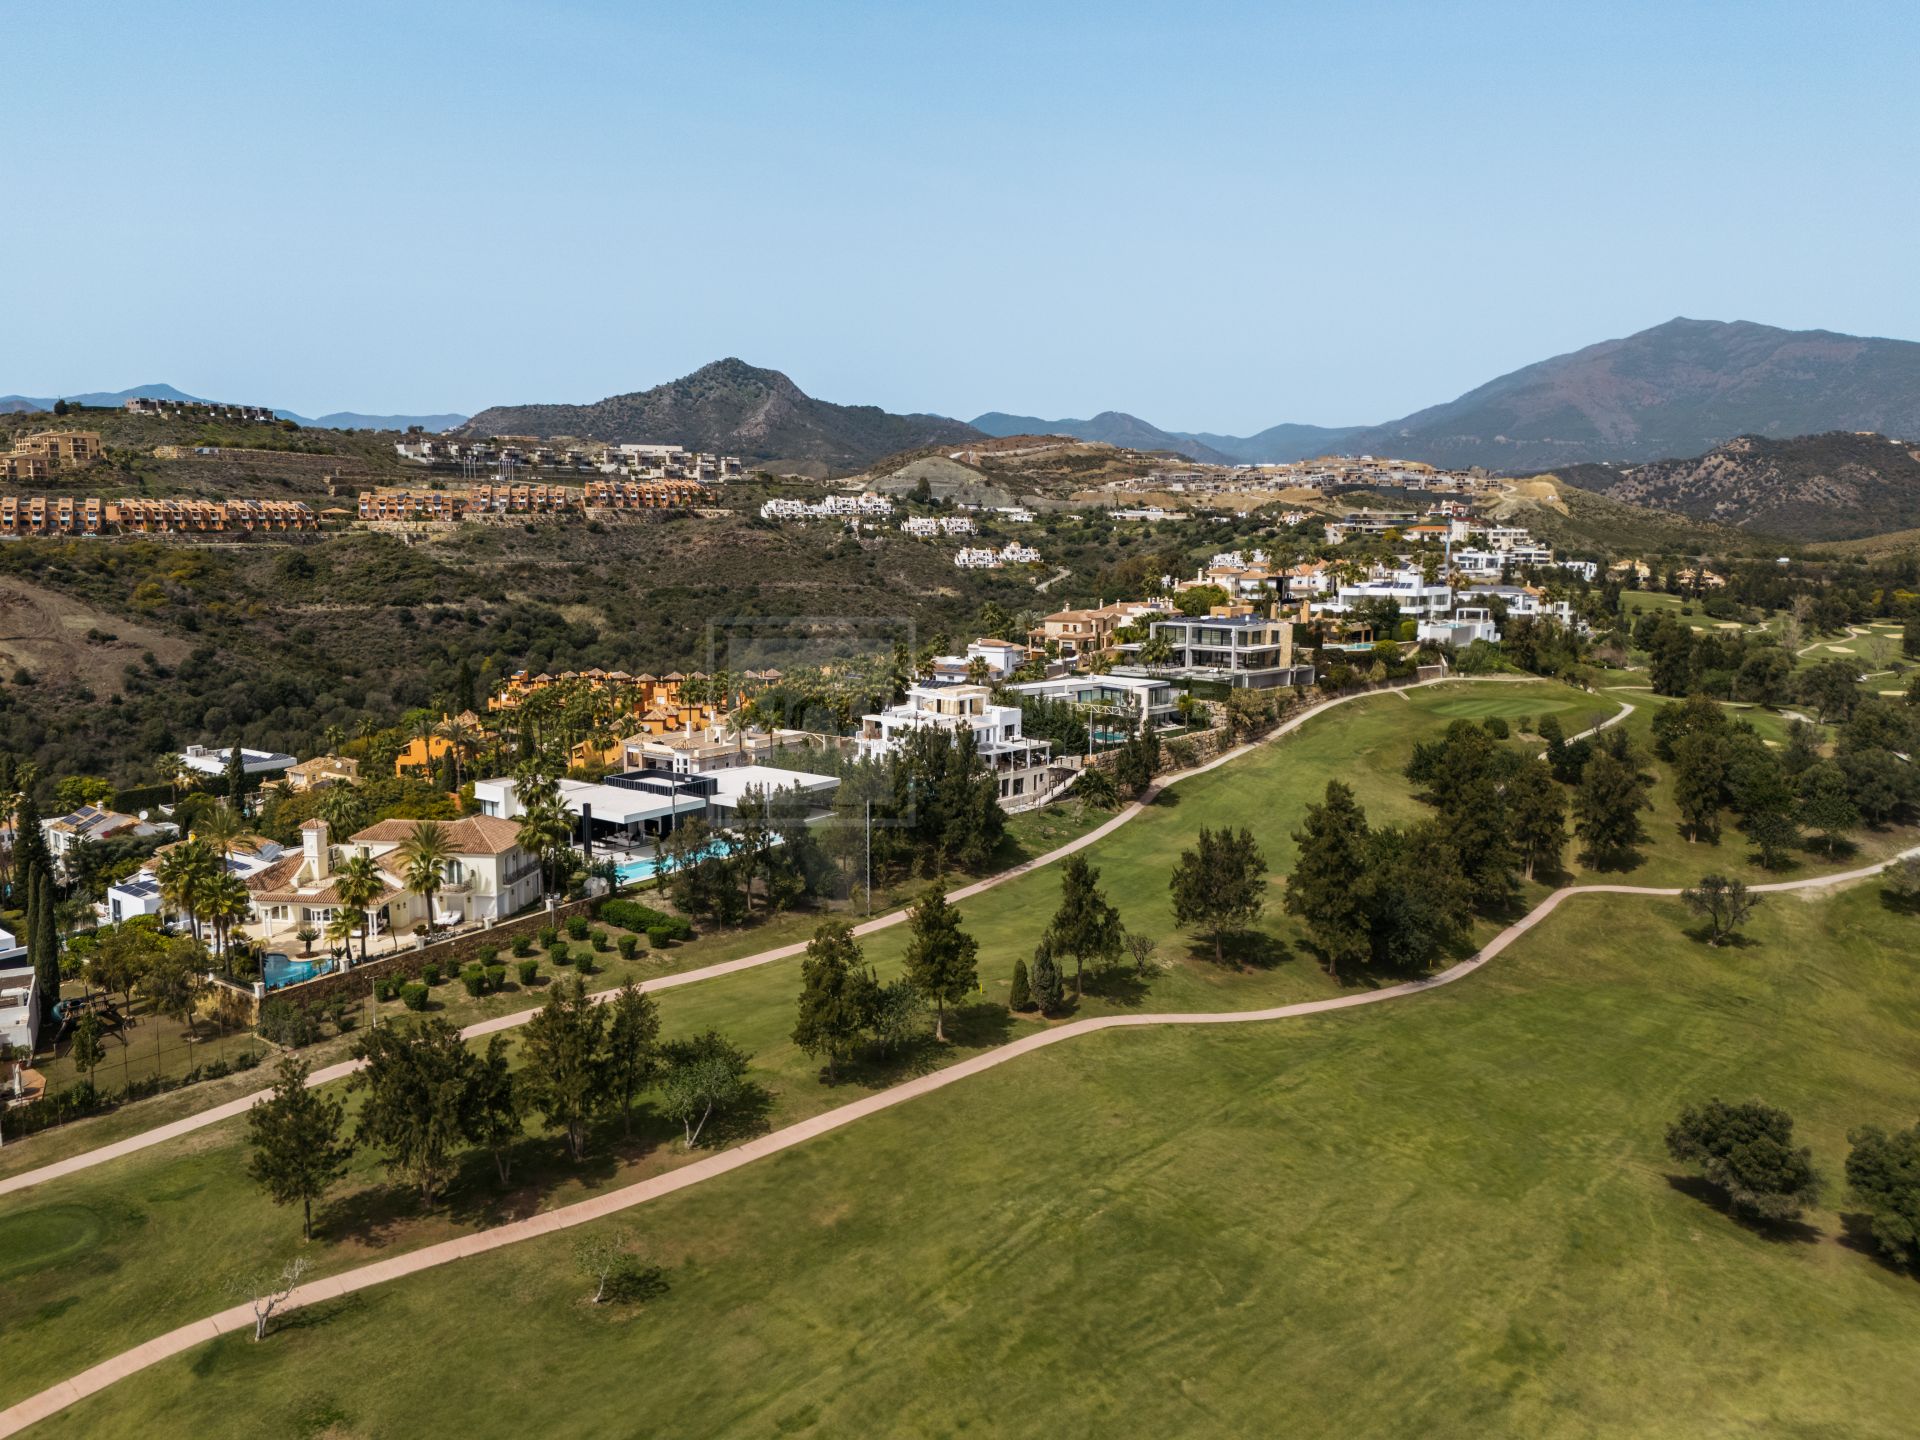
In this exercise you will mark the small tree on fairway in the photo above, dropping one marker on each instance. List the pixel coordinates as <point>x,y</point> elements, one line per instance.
<point>1049,987</point>
<point>615,1272</point>
<point>1085,926</point>
<point>940,957</point>
<point>1826,803</point>
<point>1537,810</point>
<point>1901,883</point>
<point>1322,890</point>
<point>836,996</point>
<point>1747,1152</point>
<point>267,1293</point>
<point>1724,904</point>
<point>1142,948</point>
<point>418,1080</point>
<point>1613,791</point>
<point>298,1149</point>
<point>704,1076</point>
<point>1020,996</point>
<point>1220,885</point>
<point>565,1072</point>
<point>1884,1173</point>
<point>632,1046</point>
<point>496,1110</point>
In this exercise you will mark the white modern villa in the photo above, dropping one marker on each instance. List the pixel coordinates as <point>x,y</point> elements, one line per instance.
<point>1020,764</point>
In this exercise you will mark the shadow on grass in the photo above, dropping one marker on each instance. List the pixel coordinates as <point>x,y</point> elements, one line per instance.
<point>1856,1234</point>
<point>1900,904</point>
<point>1734,940</point>
<point>1247,950</point>
<point>1712,1196</point>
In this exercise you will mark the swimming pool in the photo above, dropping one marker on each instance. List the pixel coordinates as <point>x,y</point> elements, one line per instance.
<point>646,867</point>
<point>278,969</point>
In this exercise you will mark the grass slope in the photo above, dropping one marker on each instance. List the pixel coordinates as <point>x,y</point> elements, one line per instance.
<point>1448,1217</point>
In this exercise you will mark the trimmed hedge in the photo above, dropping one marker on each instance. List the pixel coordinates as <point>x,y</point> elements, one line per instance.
<point>632,915</point>
<point>529,971</point>
<point>413,995</point>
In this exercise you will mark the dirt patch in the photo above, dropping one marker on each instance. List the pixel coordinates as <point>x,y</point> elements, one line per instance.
<point>54,635</point>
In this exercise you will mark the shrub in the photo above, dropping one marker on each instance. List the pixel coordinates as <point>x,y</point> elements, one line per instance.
<point>285,1023</point>
<point>629,946</point>
<point>659,937</point>
<point>599,938</point>
<point>548,934</point>
<point>336,1010</point>
<point>523,945</point>
<point>475,979</point>
<point>386,987</point>
<point>487,954</point>
<point>529,971</point>
<point>1020,997</point>
<point>496,978</point>
<point>584,964</point>
<point>430,973</point>
<point>414,996</point>
<point>1496,726</point>
<point>577,927</point>
<point>559,953</point>
<point>246,1060</point>
<point>632,915</point>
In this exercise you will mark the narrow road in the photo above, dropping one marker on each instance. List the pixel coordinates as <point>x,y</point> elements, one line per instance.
<point>130,1362</point>
<point>173,1130</point>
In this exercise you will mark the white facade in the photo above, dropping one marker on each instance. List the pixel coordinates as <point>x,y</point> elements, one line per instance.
<point>985,558</point>
<point>831,508</point>
<point>1412,592</point>
<point>1460,629</point>
<point>996,731</point>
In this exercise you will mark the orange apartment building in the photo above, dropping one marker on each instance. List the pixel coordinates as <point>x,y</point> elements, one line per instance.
<point>89,515</point>
<point>447,505</point>
<point>643,494</point>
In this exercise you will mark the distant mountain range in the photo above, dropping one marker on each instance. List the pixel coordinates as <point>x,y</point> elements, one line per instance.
<point>1677,389</point>
<point>338,420</point>
<point>1836,486</point>
<point>734,408</point>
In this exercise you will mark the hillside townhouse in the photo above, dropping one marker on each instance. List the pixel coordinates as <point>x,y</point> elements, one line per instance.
<point>1084,635</point>
<point>1019,765</point>
<point>321,771</point>
<point>62,449</point>
<point>972,557</point>
<point>698,750</point>
<point>993,659</point>
<point>927,527</point>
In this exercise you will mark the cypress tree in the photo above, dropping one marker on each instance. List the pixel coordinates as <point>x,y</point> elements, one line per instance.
<point>43,945</point>
<point>1049,986</point>
<point>1020,997</point>
<point>237,778</point>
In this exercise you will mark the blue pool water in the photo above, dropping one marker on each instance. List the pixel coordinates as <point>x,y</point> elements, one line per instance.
<point>277,969</point>
<point>647,867</point>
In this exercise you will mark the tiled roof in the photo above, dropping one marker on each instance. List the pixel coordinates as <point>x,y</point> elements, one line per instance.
<point>473,835</point>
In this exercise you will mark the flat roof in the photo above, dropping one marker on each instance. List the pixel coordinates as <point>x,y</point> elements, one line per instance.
<point>616,805</point>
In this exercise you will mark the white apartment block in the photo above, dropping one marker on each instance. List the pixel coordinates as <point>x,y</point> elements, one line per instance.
<point>986,558</point>
<point>1020,765</point>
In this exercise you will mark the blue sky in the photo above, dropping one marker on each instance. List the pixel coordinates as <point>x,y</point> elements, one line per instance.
<point>1218,216</point>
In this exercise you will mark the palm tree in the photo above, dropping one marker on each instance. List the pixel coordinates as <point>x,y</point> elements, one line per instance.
<point>172,769</point>
<point>426,852</point>
<point>546,832</point>
<point>341,927</point>
<point>221,826</point>
<point>186,874</point>
<point>358,883</point>
<point>333,737</point>
<point>227,903</point>
<point>463,740</point>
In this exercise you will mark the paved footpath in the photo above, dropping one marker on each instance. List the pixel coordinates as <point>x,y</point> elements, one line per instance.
<point>173,1130</point>
<point>130,1362</point>
<point>88,1382</point>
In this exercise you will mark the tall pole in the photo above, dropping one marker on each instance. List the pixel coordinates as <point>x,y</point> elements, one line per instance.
<point>869,856</point>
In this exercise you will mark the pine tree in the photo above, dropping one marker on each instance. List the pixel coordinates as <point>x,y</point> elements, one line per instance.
<point>1220,885</point>
<point>1085,926</point>
<point>298,1149</point>
<point>1324,889</point>
<point>1049,987</point>
<point>237,778</point>
<point>1020,997</point>
<point>940,957</point>
<point>837,996</point>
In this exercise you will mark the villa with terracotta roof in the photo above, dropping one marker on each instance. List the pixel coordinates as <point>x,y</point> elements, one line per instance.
<point>489,876</point>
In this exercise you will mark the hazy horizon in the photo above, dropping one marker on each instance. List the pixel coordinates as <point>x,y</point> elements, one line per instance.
<point>1218,219</point>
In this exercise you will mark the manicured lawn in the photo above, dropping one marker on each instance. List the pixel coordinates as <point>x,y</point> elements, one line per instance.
<point>195,1200</point>
<point>1449,1216</point>
<point>186,1204</point>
